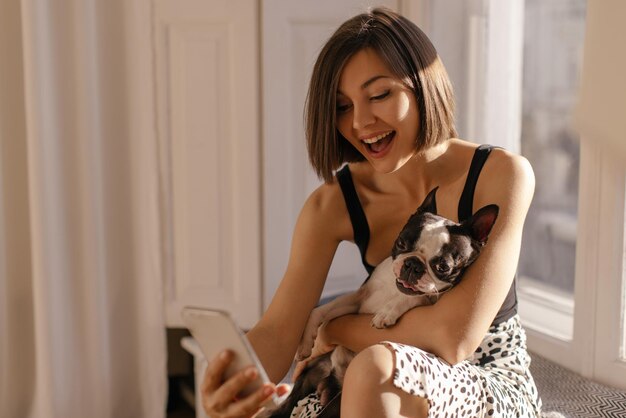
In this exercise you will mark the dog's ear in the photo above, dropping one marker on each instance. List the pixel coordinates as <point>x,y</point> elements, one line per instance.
<point>430,203</point>
<point>480,224</point>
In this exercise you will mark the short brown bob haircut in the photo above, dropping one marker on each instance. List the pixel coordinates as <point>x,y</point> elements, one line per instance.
<point>411,57</point>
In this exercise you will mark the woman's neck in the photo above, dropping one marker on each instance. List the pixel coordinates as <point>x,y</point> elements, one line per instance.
<point>424,171</point>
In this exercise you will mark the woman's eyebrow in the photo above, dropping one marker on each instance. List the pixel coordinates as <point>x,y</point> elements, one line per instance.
<point>371,80</point>
<point>366,84</point>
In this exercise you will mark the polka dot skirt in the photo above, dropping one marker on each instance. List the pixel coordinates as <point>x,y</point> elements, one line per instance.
<point>307,407</point>
<point>494,382</point>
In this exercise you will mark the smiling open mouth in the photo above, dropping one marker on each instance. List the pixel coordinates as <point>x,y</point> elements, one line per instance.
<point>407,288</point>
<point>379,144</point>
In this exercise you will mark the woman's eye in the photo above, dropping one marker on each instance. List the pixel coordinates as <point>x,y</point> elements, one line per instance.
<point>381,96</point>
<point>342,108</point>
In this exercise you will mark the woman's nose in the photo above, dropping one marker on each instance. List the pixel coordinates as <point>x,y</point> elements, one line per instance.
<point>362,117</point>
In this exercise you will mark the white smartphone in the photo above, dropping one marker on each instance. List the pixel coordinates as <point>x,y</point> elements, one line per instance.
<point>215,331</point>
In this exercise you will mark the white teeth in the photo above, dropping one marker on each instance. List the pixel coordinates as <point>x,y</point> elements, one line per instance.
<point>376,138</point>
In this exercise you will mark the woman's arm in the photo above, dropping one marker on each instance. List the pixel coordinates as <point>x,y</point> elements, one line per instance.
<point>318,231</point>
<point>454,327</point>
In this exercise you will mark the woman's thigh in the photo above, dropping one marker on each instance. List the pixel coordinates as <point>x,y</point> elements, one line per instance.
<point>368,388</point>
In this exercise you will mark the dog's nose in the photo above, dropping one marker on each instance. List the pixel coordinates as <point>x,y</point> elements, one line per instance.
<point>415,266</point>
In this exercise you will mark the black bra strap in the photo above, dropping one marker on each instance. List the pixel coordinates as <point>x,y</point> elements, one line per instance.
<point>466,202</point>
<point>357,216</point>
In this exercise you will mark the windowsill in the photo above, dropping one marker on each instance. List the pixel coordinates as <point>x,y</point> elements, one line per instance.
<point>545,309</point>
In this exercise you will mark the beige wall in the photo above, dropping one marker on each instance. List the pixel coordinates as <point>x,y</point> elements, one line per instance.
<point>601,115</point>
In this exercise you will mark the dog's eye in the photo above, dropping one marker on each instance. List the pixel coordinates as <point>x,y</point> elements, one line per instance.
<point>401,245</point>
<point>442,267</point>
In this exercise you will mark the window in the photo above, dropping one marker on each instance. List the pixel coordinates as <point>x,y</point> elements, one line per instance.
<point>552,62</point>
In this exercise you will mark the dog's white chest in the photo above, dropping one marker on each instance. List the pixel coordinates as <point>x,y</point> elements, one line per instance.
<point>380,290</point>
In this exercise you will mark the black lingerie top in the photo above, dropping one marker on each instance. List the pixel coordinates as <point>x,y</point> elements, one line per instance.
<point>362,232</point>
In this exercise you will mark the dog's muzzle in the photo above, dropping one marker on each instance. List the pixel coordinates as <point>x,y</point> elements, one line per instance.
<point>412,269</point>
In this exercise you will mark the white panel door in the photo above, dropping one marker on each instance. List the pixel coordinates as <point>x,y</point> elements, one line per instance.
<point>293,34</point>
<point>208,128</point>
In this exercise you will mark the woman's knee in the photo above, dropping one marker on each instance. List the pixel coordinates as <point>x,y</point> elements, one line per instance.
<point>372,366</point>
<point>371,372</point>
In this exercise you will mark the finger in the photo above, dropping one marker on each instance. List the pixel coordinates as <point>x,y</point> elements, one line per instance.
<point>229,390</point>
<point>251,403</point>
<point>283,389</point>
<point>320,350</point>
<point>299,368</point>
<point>214,372</point>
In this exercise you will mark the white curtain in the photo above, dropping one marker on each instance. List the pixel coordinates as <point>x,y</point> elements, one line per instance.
<point>82,329</point>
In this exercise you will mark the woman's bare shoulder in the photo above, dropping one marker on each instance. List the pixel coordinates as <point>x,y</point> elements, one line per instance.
<point>326,208</point>
<point>507,177</point>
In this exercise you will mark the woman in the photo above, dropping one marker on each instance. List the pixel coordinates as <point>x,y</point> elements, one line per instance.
<point>380,99</point>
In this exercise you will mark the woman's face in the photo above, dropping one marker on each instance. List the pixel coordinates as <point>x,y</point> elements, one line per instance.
<point>376,112</point>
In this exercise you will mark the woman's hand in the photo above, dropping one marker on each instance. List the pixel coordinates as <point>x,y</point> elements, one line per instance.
<point>322,346</point>
<point>219,398</point>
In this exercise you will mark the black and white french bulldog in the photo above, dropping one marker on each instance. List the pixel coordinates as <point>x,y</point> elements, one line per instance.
<point>428,258</point>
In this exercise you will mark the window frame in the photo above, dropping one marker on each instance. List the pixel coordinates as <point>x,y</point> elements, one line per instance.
<point>604,275</point>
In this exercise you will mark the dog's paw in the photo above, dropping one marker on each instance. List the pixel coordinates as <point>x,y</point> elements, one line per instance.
<point>383,320</point>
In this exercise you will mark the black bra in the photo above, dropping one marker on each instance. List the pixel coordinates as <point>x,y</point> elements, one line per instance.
<point>465,210</point>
